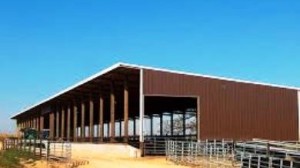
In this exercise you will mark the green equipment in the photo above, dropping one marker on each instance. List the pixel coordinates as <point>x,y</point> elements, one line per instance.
<point>29,133</point>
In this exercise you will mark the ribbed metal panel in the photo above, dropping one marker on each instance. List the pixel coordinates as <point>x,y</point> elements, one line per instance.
<point>230,109</point>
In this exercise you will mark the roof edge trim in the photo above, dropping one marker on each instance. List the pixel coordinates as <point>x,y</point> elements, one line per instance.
<point>208,76</point>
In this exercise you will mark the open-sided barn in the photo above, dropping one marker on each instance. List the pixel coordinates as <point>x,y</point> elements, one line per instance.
<point>126,103</point>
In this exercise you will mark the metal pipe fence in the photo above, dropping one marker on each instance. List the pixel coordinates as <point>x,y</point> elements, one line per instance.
<point>266,154</point>
<point>59,150</point>
<point>50,150</point>
<point>156,145</point>
<point>251,154</point>
<point>204,153</point>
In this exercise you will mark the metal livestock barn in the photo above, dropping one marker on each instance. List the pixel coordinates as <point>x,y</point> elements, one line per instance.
<point>126,103</point>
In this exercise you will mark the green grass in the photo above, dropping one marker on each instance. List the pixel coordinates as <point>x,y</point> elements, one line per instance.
<point>11,158</point>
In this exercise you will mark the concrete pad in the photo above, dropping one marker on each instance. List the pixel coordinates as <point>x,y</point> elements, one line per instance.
<point>120,150</point>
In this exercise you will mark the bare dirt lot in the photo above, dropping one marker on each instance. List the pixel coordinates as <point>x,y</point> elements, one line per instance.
<point>115,162</point>
<point>110,156</point>
<point>112,162</point>
<point>116,156</point>
<point>107,156</point>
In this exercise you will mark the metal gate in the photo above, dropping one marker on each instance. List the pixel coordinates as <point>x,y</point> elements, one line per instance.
<point>156,145</point>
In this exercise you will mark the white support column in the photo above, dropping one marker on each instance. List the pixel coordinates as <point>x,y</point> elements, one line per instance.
<point>298,115</point>
<point>141,129</point>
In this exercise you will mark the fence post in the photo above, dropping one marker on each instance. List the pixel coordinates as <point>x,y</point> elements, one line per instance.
<point>41,147</point>
<point>29,145</point>
<point>196,152</point>
<point>170,149</point>
<point>189,151</point>
<point>217,153</point>
<point>243,147</point>
<point>48,149</point>
<point>233,148</point>
<point>182,151</point>
<point>171,152</point>
<point>206,148</point>
<point>192,152</point>
<point>167,142</point>
<point>215,146</point>
<point>24,144</point>
<point>270,161</point>
<point>154,145</point>
<point>62,149</point>
<point>242,157</point>
<point>258,162</point>
<point>53,148</point>
<point>210,151</point>
<point>34,146</point>
<point>291,164</point>
<point>175,150</point>
<point>249,163</point>
<point>223,148</point>
<point>19,144</point>
<point>268,150</point>
<point>16,144</point>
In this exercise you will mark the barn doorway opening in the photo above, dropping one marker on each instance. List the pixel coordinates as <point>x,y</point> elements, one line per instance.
<point>168,118</point>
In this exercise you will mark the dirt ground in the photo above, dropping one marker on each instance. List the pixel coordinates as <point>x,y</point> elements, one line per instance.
<point>108,156</point>
<point>115,162</point>
<point>112,158</point>
<point>112,162</point>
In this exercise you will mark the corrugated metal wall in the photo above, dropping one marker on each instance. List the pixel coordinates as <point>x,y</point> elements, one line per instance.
<point>232,110</point>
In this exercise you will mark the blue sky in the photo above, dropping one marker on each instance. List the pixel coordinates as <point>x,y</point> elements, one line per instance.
<point>46,46</point>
